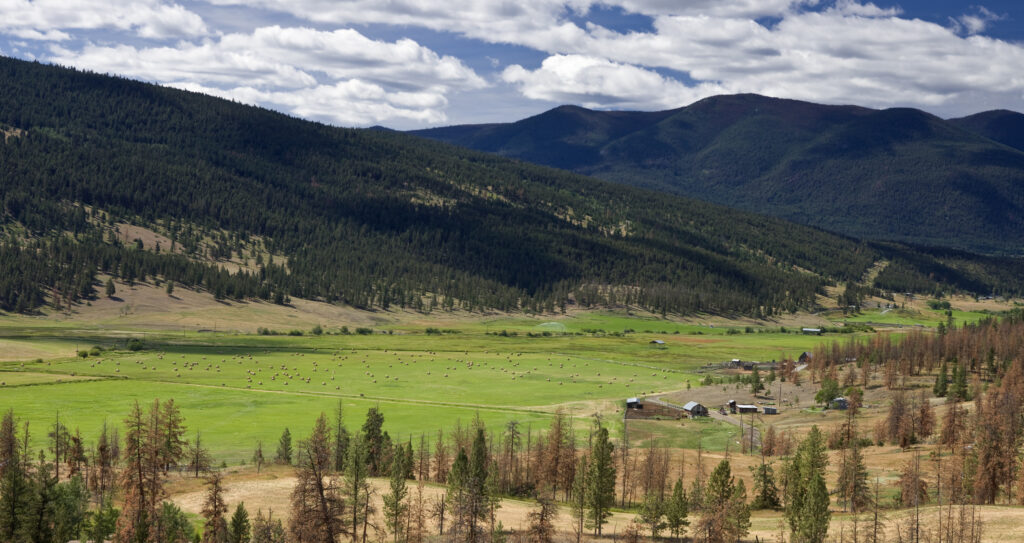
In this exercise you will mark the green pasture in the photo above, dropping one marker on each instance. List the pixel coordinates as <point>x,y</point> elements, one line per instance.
<point>232,421</point>
<point>237,389</point>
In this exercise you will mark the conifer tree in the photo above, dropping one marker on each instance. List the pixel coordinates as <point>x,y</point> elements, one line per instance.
<point>941,381</point>
<point>853,480</point>
<point>239,529</point>
<point>267,529</point>
<point>802,471</point>
<point>316,504</point>
<point>215,529</point>
<point>355,488</point>
<point>652,512</point>
<point>284,448</point>
<point>812,524</point>
<point>766,494</point>
<point>725,516</point>
<point>677,510</point>
<point>257,456</point>
<point>600,481</point>
<point>394,500</point>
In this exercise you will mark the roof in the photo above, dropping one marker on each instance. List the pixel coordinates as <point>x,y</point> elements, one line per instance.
<point>811,329</point>
<point>631,400</point>
<point>690,405</point>
<point>658,341</point>
<point>746,406</point>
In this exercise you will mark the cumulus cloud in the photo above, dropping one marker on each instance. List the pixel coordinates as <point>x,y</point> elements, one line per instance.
<point>974,23</point>
<point>596,82</point>
<point>49,19</point>
<point>333,76</point>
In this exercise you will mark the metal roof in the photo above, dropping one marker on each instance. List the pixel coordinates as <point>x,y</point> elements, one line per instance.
<point>631,400</point>
<point>690,405</point>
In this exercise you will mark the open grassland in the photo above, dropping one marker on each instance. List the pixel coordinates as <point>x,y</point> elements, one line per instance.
<point>239,388</point>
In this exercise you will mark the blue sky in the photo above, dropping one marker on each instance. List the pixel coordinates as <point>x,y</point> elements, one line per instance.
<point>419,63</point>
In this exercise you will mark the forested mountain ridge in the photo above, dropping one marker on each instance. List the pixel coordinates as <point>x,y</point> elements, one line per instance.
<point>895,174</point>
<point>378,219</point>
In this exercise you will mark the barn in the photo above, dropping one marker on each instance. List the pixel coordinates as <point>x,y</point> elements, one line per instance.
<point>695,409</point>
<point>746,408</point>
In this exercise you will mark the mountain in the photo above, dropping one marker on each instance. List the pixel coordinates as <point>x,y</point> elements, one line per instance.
<point>1006,127</point>
<point>895,174</point>
<point>243,202</point>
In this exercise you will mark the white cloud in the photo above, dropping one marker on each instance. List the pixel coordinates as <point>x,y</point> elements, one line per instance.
<point>975,23</point>
<point>331,76</point>
<point>595,82</point>
<point>48,19</point>
<point>348,103</point>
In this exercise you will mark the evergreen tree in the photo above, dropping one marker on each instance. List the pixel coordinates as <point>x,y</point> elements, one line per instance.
<point>215,529</point>
<point>37,523</point>
<point>803,472</point>
<point>70,509</point>
<point>173,525</point>
<point>853,480</point>
<point>812,526</point>
<point>600,481</point>
<point>756,385</point>
<point>110,288</point>
<point>14,490</point>
<point>257,456</point>
<point>578,498</point>
<point>766,494</point>
<point>725,516</point>
<point>239,529</point>
<point>677,510</point>
<point>652,512</point>
<point>394,500</point>
<point>284,448</point>
<point>355,487</point>
<point>374,436</point>
<point>341,439</point>
<point>941,381</point>
<point>267,529</point>
<point>317,508</point>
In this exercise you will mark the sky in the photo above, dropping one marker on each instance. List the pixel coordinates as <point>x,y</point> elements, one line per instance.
<point>411,64</point>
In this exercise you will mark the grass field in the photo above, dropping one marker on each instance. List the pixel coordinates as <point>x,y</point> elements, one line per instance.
<point>238,388</point>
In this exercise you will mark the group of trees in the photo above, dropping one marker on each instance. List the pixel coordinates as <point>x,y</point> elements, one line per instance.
<point>368,218</point>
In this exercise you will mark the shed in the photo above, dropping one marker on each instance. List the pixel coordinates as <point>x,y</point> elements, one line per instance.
<point>746,408</point>
<point>811,331</point>
<point>633,403</point>
<point>732,406</point>
<point>771,410</point>
<point>839,403</point>
<point>805,357</point>
<point>695,409</point>
<point>657,342</point>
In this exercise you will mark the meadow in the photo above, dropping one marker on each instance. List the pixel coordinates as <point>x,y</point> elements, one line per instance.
<point>237,389</point>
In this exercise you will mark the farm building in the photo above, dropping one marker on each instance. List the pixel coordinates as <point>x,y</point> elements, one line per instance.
<point>746,408</point>
<point>657,342</point>
<point>771,410</point>
<point>695,409</point>
<point>805,357</point>
<point>839,403</point>
<point>811,331</point>
<point>640,409</point>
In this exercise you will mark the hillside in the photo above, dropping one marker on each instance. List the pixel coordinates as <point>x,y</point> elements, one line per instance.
<point>896,174</point>
<point>258,205</point>
<point>1006,127</point>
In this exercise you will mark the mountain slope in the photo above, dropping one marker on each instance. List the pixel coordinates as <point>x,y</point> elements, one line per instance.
<point>896,174</point>
<point>374,218</point>
<point>1006,127</point>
